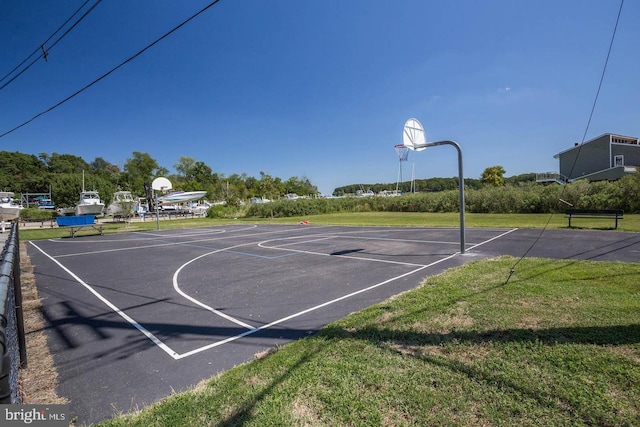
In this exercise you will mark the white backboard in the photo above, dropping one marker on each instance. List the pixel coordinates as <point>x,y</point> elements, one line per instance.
<point>413,135</point>
<point>161,184</point>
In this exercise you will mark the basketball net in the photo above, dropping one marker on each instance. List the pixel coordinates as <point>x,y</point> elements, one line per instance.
<point>403,155</point>
<point>403,152</point>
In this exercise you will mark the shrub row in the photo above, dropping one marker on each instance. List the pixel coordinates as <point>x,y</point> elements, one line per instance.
<point>524,198</point>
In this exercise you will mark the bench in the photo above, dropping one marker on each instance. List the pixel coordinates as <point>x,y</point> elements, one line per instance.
<point>50,222</point>
<point>616,214</point>
<point>77,223</point>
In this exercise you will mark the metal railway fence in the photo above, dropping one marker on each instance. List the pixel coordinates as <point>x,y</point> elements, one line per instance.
<point>12,336</point>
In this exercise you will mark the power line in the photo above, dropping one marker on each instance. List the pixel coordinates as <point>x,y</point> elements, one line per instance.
<point>584,136</point>
<point>45,51</point>
<point>126,61</point>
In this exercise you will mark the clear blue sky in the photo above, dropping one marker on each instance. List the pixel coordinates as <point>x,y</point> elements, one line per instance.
<point>323,88</point>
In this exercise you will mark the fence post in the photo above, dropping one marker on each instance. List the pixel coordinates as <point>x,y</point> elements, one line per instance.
<point>17,294</point>
<point>12,339</point>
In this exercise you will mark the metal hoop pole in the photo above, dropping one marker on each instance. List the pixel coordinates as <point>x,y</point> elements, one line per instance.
<point>460,184</point>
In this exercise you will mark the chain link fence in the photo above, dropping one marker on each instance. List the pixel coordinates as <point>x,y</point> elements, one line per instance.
<point>12,336</point>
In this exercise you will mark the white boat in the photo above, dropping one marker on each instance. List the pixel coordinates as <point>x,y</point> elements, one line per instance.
<point>199,208</point>
<point>122,204</point>
<point>9,209</point>
<point>89,204</point>
<point>181,197</point>
<point>141,207</point>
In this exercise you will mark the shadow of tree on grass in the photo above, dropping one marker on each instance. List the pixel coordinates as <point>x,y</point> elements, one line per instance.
<point>596,335</point>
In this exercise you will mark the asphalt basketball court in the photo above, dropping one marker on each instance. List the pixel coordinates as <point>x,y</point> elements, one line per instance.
<point>133,317</point>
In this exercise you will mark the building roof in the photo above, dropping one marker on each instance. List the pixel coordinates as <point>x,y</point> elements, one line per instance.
<point>577,145</point>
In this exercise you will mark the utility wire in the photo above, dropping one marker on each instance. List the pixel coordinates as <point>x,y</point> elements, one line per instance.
<point>79,91</point>
<point>584,136</point>
<point>44,50</point>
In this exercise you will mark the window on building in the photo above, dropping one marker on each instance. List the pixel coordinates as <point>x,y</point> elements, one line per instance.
<point>623,140</point>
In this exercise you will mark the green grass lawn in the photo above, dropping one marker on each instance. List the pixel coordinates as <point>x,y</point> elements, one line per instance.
<point>452,219</point>
<point>558,344</point>
<point>397,219</point>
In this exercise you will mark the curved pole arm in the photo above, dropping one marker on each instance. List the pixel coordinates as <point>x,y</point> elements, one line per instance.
<point>460,184</point>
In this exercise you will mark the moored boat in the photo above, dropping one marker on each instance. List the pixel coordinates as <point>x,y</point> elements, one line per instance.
<point>122,204</point>
<point>89,204</point>
<point>9,208</point>
<point>181,196</point>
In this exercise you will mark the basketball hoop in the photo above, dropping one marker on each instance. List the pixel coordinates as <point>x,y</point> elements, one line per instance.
<point>403,152</point>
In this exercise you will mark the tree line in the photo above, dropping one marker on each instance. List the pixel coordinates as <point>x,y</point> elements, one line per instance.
<point>491,176</point>
<point>62,176</point>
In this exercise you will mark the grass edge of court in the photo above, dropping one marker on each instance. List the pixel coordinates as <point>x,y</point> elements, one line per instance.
<point>344,366</point>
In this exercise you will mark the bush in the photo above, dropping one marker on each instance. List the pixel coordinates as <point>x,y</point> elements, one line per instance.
<point>523,197</point>
<point>226,211</point>
<point>35,214</point>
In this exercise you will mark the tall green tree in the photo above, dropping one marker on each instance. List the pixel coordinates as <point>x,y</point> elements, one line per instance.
<point>300,186</point>
<point>64,163</point>
<point>141,168</point>
<point>185,166</point>
<point>493,175</point>
<point>270,187</point>
<point>66,187</point>
<point>22,173</point>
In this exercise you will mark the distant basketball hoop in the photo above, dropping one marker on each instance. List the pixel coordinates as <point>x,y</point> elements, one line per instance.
<point>402,151</point>
<point>160,184</point>
<point>403,154</point>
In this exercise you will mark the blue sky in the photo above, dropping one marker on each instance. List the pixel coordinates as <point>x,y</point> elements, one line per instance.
<point>322,88</point>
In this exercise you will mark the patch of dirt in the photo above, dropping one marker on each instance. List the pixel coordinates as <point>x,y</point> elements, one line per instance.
<point>39,379</point>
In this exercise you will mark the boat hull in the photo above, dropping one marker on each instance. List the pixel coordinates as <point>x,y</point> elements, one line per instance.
<point>182,196</point>
<point>9,213</point>
<point>93,209</point>
<point>9,209</point>
<point>122,204</point>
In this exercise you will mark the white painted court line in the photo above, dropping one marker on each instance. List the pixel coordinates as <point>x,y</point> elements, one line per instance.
<point>143,236</point>
<point>250,329</point>
<point>386,239</point>
<point>292,316</point>
<point>164,244</point>
<point>199,303</point>
<point>492,239</point>
<point>308,310</point>
<point>282,248</point>
<point>113,307</point>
